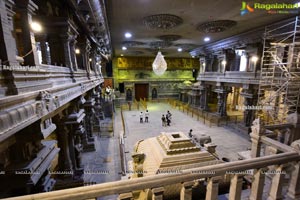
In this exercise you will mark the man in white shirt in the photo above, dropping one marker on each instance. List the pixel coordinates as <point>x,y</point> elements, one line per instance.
<point>146,116</point>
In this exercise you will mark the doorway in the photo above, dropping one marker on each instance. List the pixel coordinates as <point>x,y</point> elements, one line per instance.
<point>141,91</point>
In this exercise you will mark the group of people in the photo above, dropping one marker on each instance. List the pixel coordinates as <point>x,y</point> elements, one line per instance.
<point>166,120</point>
<point>146,117</point>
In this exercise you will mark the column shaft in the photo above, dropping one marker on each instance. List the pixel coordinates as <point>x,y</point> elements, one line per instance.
<point>157,193</point>
<point>236,187</point>
<point>257,185</point>
<point>212,189</point>
<point>186,191</point>
<point>276,185</point>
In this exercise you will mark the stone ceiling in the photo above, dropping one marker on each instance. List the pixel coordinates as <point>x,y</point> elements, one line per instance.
<point>173,24</point>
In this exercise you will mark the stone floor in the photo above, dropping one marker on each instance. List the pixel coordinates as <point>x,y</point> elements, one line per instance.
<point>104,165</point>
<point>228,142</point>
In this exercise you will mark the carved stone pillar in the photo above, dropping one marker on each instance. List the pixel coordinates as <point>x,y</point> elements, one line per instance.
<point>277,183</point>
<point>236,184</point>
<point>257,131</point>
<point>93,55</point>
<point>157,193</point>
<point>250,100</point>
<point>73,54</point>
<point>64,159</point>
<point>7,41</point>
<point>203,97</point>
<point>27,152</point>
<point>66,40</point>
<point>186,190</point>
<point>222,101</point>
<point>236,94</point>
<point>46,58</point>
<point>257,185</point>
<point>89,123</point>
<point>202,65</point>
<point>74,121</point>
<point>294,186</point>
<point>212,189</point>
<point>26,9</point>
<point>63,134</point>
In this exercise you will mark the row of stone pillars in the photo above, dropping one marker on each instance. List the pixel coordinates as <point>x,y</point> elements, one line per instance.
<point>222,91</point>
<point>75,132</point>
<point>212,188</point>
<point>57,45</point>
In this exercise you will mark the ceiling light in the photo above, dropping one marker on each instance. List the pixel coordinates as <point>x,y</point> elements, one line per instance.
<point>77,51</point>
<point>35,26</point>
<point>122,55</point>
<point>179,49</point>
<point>159,65</point>
<point>124,48</point>
<point>254,58</point>
<point>128,35</point>
<point>206,39</point>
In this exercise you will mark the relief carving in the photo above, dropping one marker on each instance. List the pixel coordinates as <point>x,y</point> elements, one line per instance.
<point>258,127</point>
<point>47,103</point>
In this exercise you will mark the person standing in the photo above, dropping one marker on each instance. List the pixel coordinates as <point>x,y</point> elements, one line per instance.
<point>146,116</point>
<point>190,133</point>
<point>141,117</point>
<point>169,115</point>
<point>163,120</point>
<point>168,120</point>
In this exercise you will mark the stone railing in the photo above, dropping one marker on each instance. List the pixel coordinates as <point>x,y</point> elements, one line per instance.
<point>280,164</point>
<point>206,117</point>
<point>40,91</point>
<point>230,77</point>
<point>289,156</point>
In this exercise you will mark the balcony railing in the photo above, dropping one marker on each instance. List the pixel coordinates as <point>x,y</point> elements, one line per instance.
<point>285,161</point>
<point>37,87</point>
<point>230,76</point>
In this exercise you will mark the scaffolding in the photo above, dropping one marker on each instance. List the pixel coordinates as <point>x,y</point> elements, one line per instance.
<point>279,85</point>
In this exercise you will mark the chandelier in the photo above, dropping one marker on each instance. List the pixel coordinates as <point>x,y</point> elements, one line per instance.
<point>159,65</point>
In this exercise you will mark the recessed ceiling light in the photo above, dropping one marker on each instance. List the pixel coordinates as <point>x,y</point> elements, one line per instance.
<point>206,39</point>
<point>124,48</point>
<point>128,35</point>
<point>35,26</point>
<point>254,58</point>
<point>179,49</point>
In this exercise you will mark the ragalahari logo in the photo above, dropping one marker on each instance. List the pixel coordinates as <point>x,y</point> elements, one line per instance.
<point>246,8</point>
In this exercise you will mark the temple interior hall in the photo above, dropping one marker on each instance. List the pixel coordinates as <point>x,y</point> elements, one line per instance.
<point>149,100</point>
